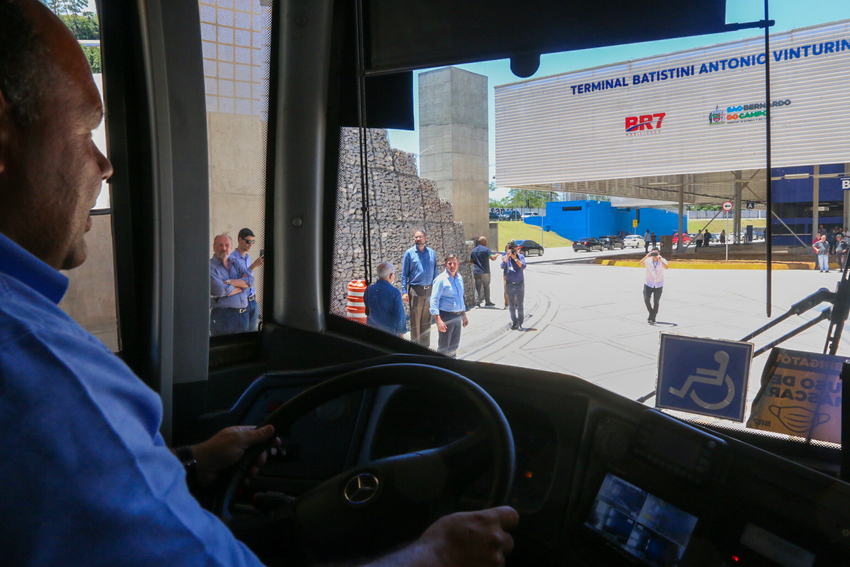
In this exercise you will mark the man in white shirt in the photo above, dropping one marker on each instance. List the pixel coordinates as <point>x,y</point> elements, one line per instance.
<point>655,266</point>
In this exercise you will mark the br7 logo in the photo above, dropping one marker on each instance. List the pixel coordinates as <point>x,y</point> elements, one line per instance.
<point>644,121</point>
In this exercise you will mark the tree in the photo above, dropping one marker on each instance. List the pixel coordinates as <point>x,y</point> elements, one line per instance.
<point>83,24</point>
<point>66,7</point>
<point>56,6</point>
<point>83,27</point>
<point>524,198</point>
<point>705,208</point>
<point>93,56</point>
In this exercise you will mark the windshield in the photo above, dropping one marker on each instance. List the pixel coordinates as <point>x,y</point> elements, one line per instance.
<point>639,142</point>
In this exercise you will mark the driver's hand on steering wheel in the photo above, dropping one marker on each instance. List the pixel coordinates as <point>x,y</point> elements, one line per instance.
<point>470,539</point>
<point>225,448</point>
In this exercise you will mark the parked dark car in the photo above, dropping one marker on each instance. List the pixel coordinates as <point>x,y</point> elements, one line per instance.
<point>588,243</point>
<point>612,241</point>
<point>529,246</point>
<point>494,215</point>
<point>510,215</point>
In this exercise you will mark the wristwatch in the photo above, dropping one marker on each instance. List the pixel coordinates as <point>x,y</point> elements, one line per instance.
<point>187,458</point>
<point>226,282</point>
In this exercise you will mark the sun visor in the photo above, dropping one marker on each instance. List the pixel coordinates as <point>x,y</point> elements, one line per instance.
<point>414,35</point>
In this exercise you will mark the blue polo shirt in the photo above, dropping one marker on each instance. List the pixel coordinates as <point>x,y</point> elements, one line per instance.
<point>86,476</point>
<point>447,294</point>
<point>480,257</point>
<point>386,310</point>
<point>418,268</point>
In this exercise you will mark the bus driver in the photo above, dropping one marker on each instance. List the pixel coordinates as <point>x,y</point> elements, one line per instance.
<point>86,476</point>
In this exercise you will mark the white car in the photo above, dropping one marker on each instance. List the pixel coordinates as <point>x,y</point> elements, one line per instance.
<point>528,214</point>
<point>634,241</point>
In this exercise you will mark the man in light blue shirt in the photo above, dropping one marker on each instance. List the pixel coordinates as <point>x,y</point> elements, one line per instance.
<point>448,307</point>
<point>228,297</point>
<point>242,268</point>
<point>418,272</point>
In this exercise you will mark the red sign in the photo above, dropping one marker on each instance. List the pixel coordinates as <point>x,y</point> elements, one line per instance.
<point>643,122</point>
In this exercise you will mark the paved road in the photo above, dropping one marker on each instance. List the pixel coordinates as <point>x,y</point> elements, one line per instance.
<point>589,320</point>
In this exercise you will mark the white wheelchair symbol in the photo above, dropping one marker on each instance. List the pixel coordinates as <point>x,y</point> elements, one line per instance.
<point>713,377</point>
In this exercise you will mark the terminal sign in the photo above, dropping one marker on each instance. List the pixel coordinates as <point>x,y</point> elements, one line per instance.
<point>845,183</point>
<point>727,206</point>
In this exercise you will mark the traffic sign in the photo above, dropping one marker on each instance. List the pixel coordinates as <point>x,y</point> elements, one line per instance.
<point>845,183</point>
<point>703,376</point>
<point>751,205</point>
<point>727,206</point>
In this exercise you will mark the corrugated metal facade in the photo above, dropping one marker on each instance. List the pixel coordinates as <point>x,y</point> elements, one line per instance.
<point>687,112</point>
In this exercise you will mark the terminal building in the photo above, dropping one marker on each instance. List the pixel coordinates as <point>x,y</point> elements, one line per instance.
<point>690,128</point>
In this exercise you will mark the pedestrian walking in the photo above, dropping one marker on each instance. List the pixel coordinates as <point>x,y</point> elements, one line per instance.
<point>646,242</point>
<point>655,266</point>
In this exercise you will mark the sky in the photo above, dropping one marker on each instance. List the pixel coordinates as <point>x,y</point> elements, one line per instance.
<point>788,14</point>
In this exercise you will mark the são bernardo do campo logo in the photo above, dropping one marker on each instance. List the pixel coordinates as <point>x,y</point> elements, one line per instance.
<point>736,114</point>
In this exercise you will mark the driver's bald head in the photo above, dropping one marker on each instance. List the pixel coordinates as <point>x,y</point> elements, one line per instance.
<point>24,59</point>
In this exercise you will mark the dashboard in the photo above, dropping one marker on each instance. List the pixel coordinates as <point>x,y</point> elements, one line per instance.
<point>599,479</point>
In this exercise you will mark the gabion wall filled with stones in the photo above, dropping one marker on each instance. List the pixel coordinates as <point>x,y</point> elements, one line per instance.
<point>401,203</point>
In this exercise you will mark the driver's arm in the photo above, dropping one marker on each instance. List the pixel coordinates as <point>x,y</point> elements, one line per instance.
<point>465,539</point>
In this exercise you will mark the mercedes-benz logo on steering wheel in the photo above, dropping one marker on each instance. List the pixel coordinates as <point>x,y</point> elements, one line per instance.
<point>361,488</point>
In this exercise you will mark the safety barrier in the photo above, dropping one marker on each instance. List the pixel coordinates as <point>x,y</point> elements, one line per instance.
<point>356,306</point>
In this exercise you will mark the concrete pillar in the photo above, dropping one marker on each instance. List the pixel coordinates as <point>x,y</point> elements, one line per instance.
<point>493,236</point>
<point>453,139</point>
<point>681,242</point>
<point>815,202</point>
<point>736,218</point>
<point>846,222</point>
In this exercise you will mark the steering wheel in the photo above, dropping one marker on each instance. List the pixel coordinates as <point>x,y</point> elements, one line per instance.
<point>391,500</point>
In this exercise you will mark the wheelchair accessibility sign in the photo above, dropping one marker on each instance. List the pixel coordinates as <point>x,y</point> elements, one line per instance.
<point>703,376</point>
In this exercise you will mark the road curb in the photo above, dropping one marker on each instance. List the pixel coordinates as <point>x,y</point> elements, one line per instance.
<point>718,265</point>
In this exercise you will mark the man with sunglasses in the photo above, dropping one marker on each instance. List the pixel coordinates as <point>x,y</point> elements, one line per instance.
<point>242,269</point>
